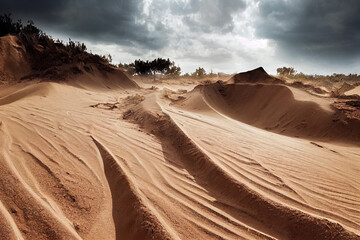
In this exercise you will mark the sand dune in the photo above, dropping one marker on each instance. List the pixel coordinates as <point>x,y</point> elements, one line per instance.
<point>257,75</point>
<point>276,108</point>
<point>98,157</point>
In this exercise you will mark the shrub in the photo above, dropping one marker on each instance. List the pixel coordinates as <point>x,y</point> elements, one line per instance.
<point>287,71</point>
<point>7,26</point>
<point>199,72</point>
<point>159,65</point>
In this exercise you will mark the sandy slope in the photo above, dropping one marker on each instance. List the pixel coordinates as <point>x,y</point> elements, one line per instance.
<point>104,161</point>
<point>13,63</point>
<point>354,91</point>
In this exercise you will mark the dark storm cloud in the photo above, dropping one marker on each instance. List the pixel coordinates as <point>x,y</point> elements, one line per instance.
<point>43,9</point>
<point>110,21</point>
<point>209,16</point>
<point>326,30</point>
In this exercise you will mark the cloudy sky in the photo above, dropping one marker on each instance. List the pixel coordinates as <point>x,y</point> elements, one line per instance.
<point>313,36</point>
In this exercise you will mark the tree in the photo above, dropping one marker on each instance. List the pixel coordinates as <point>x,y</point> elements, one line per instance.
<point>7,26</point>
<point>158,65</point>
<point>286,71</point>
<point>142,67</point>
<point>31,29</point>
<point>174,70</point>
<point>199,72</point>
<point>109,58</point>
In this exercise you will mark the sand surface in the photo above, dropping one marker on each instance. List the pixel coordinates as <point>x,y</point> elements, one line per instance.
<point>356,90</point>
<point>240,161</point>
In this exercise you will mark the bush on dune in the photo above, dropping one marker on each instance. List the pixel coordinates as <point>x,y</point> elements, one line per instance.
<point>44,51</point>
<point>291,73</point>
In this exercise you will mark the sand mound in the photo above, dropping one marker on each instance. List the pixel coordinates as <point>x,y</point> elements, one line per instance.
<point>274,108</point>
<point>86,70</point>
<point>92,78</point>
<point>21,93</point>
<point>258,75</point>
<point>133,220</point>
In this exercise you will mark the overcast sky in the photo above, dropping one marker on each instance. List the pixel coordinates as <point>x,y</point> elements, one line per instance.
<point>313,36</point>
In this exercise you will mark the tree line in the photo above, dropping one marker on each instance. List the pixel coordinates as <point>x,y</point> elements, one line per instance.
<point>290,72</point>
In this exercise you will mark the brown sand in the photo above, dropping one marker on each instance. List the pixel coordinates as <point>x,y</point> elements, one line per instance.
<point>355,90</point>
<point>13,60</point>
<point>98,157</point>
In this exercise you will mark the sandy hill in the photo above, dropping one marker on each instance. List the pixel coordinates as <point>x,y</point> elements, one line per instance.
<point>87,154</point>
<point>256,98</point>
<point>20,63</point>
<point>258,75</point>
<point>281,109</point>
